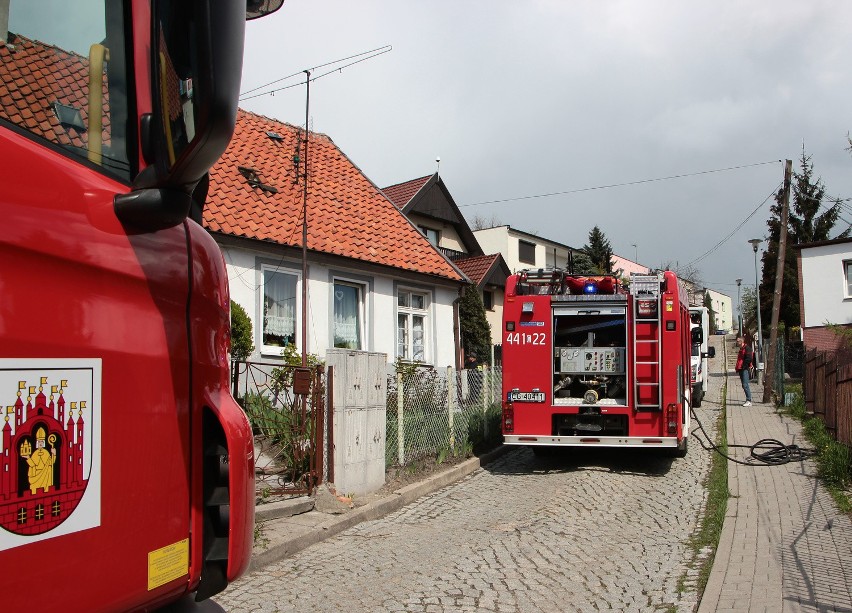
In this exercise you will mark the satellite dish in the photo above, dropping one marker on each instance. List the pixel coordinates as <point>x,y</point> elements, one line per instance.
<point>261,8</point>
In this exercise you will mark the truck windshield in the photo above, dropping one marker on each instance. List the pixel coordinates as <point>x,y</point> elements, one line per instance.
<point>63,78</point>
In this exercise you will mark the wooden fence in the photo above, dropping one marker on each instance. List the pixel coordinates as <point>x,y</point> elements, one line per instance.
<point>827,387</point>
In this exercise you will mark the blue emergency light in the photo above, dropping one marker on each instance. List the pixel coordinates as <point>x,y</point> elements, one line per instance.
<point>590,287</point>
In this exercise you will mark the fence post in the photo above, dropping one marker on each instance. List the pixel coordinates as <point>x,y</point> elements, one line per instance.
<point>485,394</point>
<point>451,406</point>
<point>400,435</point>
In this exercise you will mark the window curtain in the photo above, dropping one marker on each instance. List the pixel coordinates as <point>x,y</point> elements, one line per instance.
<point>279,308</point>
<point>347,324</point>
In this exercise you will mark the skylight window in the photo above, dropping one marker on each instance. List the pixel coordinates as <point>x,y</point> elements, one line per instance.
<point>253,178</point>
<point>69,117</point>
<point>275,136</point>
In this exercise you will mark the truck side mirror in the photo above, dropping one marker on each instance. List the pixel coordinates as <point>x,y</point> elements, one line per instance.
<point>697,336</point>
<point>196,64</point>
<point>196,59</point>
<point>711,352</point>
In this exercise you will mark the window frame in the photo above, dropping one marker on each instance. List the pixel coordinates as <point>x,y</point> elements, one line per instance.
<point>425,230</point>
<point>277,350</point>
<point>847,278</point>
<point>119,122</point>
<point>526,245</point>
<point>361,315</point>
<point>410,313</point>
<point>488,304</point>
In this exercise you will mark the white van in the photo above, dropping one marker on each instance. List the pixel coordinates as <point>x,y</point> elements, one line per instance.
<point>700,331</point>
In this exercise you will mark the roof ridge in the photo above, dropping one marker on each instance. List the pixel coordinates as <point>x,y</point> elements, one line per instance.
<point>283,123</point>
<point>426,177</point>
<point>13,46</point>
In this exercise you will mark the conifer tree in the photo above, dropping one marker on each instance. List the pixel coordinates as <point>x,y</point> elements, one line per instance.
<point>809,220</point>
<point>475,329</point>
<point>600,251</point>
<point>583,264</point>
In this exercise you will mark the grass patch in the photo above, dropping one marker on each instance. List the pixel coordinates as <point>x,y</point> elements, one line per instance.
<point>717,500</point>
<point>833,459</point>
<point>706,540</point>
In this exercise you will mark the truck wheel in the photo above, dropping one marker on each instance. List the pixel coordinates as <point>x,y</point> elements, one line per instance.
<point>697,394</point>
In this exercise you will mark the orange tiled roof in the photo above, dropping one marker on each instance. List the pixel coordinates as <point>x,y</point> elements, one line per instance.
<point>476,268</point>
<point>347,214</point>
<point>34,76</point>
<point>402,193</point>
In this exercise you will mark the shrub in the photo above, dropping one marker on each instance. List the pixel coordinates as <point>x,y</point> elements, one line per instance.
<point>242,345</point>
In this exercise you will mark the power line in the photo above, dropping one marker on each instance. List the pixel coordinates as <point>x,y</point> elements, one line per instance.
<point>626,184</point>
<point>734,231</point>
<point>369,55</point>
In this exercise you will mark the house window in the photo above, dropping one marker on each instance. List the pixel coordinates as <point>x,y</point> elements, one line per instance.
<point>432,235</point>
<point>526,252</point>
<point>348,315</point>
<point>847,268</point>
<point>411,326</point>
<point>279,309</point>
<point>488,299</point>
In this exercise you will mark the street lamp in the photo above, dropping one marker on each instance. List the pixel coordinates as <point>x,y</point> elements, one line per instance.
<point>739,308</point>
<point>754,243</point>
<point>635,253</point>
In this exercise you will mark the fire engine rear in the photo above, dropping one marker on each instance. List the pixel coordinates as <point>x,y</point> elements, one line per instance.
<point>589,362</point>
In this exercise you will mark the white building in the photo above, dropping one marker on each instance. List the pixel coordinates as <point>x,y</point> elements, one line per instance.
<point>825,290</point>
<point>723,308</point>
<point>523,250</point>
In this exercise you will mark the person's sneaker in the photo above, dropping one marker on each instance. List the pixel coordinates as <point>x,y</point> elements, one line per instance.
<point>747,403</point>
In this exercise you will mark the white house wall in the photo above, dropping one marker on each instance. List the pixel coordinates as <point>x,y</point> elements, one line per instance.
<point>505,241</point>
<point>380,316</point>
<point>723,308</point>
<point>823,285</point>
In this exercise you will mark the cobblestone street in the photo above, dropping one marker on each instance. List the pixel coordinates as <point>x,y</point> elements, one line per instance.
<point>583,530</point>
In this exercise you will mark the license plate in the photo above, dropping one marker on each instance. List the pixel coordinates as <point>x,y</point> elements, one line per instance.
<point>526,396</point>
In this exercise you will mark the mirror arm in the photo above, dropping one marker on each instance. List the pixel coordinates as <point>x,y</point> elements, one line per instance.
<point>153,208</point>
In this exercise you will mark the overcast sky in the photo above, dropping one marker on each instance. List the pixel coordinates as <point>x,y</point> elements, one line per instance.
<point>540,96</point>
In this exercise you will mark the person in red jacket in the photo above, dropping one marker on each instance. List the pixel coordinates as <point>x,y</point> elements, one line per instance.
<point>745,361</point>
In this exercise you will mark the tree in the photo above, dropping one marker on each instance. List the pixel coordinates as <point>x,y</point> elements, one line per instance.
<point>600,251</point>
<point>708,302</point>
<point>242,344</point>
<point>483,223</point>
<point>748,303</point>
<point>475,329</point>
<point>583,264</point>
<point>806,224</point>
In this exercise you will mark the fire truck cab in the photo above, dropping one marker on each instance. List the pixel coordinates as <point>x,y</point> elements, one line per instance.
<point>126,466</point>
<point>589,362</point>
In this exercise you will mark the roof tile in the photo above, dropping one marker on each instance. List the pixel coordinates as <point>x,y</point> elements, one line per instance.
<point>347,214</point>
<point>402,193</point>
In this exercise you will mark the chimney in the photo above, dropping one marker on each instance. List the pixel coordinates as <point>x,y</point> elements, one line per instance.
<point>4,20</point>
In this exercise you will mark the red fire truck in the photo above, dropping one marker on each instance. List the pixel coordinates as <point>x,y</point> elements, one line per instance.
<point>588,362</point>
<point>126,467</point>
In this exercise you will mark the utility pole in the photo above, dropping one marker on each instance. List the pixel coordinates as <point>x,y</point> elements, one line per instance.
<point>779,282</point>
<point>739,310</point>
<point>305,225</point>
